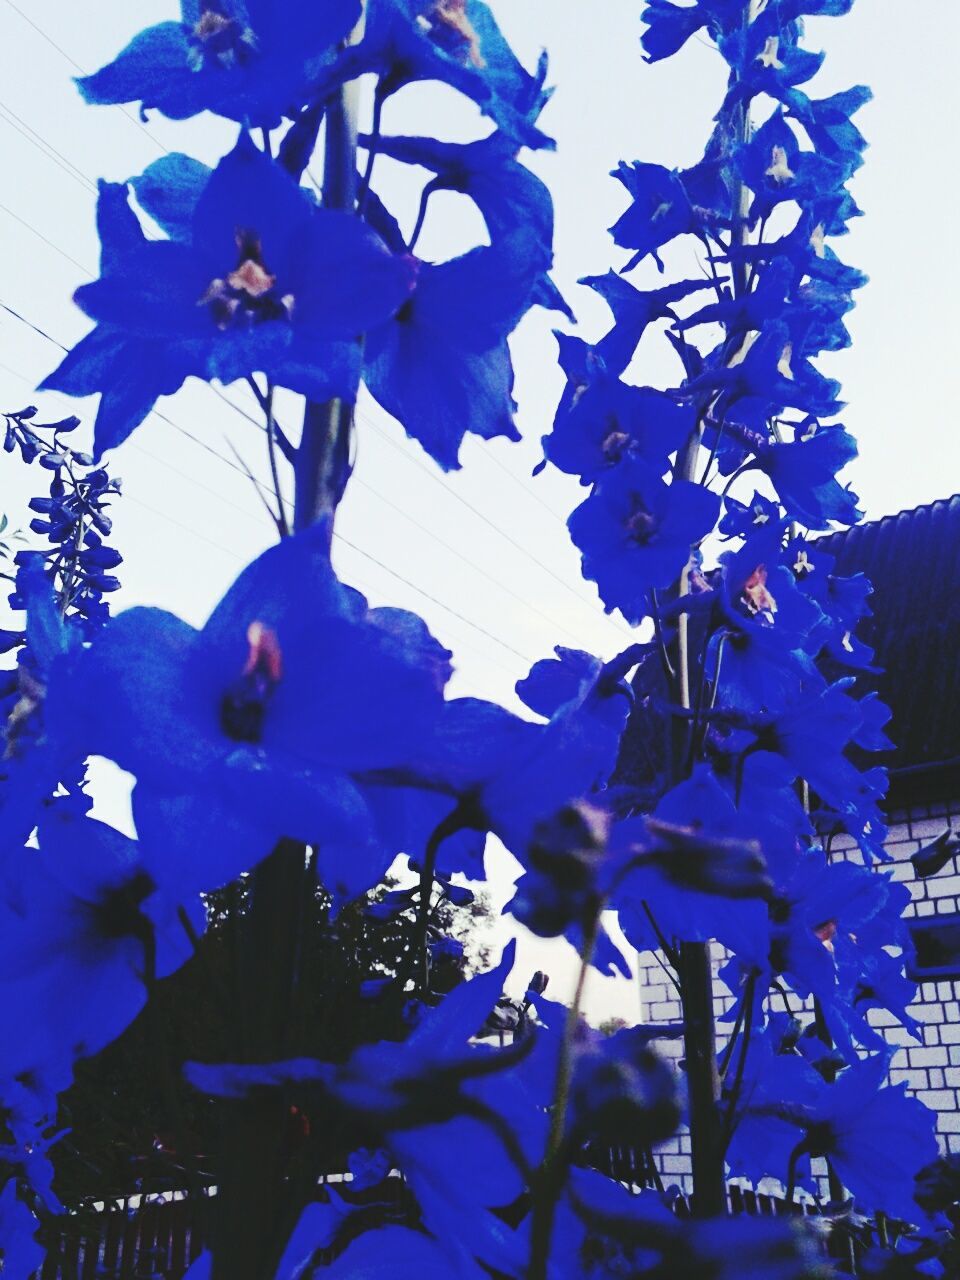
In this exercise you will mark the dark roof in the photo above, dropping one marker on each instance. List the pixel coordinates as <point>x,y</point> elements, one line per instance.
<point>913,561</point>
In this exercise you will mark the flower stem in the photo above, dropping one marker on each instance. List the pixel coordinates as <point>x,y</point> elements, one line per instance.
<point>550,1176</point>
<point>323,458</point>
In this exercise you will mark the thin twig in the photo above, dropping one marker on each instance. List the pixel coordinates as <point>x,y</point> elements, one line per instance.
<point>283,527</point>
<point>256,484</point>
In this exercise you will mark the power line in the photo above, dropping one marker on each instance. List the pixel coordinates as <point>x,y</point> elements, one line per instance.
<point>433,599</point>
<point>362,483</point>
<point>77,67</point>
<point>520,484</point>
<point>136,447</point>
<point>40,236</point>
<point>164,515</point>
<point>415,461</point>
<point>10,117</point>
<point>359,550</point>
<point>42,143</point>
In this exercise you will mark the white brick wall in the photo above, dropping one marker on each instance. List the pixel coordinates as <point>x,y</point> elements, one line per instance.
<point>930,1070</point>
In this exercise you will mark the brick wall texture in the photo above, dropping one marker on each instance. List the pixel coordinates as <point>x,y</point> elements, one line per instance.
<point>931,1069</point>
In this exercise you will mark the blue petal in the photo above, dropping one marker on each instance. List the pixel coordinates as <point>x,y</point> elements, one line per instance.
<point>169,190</point>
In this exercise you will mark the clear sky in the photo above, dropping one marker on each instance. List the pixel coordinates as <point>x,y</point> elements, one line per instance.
<point>483,554</point>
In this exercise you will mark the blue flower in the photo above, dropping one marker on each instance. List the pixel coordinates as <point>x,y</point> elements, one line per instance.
<point>249,60</point>
<point>828,124</point>
<point>79,919</point>
<point>825,919</point>
<point>260,725</point>
<point>767,58</point>
<point>456,42</point>
<point>759,659</point>
<point>600,419</point>
<point>633,310</point>
<point>776,169</point>
<point>740,518</point>
<point>812,737</point>
<point>442,366</point>
<point>670,25</point>
<point>635,532</point>
<point>507,194</point>
<point>804,474</point>
<point>775,1078</point>
<point>517,778</point>
<point>702,877</point>
<point>660,210</point>
<point>764,374</point>
<point>262,280</point>
<point>843,602</point>
<point>875,1136</point>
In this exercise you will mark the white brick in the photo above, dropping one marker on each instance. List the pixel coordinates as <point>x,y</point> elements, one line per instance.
<point>953,1076</point>
<point>944,886</point>
<point>944,990</point>
<point>665,1011</point>
<point>882,1018</point>
<point>925,908</point>
<point>948,1122</point>
<point>898,1035</point>
<point>950,1034</point>
<point>842,841</point>
<point>924,1012</point>
<point>900,850</point>
<point>946,906</point>
<point>936,1078</point>
<point>938,1099</point>
<point>928,828</point>
<point>912,1079</point>
<point>952,1011</point>
<point>933,1057</point>
<point>675,1164</point>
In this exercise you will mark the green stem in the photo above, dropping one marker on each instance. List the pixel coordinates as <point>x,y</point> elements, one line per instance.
<point>735,1092</point>
<point>283,528</point>
<point>378,100</point>
<point>795,1155</point>
<point>323,467</point>
<point>550,1176</point>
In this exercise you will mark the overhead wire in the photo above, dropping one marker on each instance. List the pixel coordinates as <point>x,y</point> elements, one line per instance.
<point>337,535</point>
<point>57,157</point>
<point>417,462</point>
<point>77,67</point>
<point>10,117</point>
<point>40,236</point>
<point>360,482</point>
<point>597,612</point>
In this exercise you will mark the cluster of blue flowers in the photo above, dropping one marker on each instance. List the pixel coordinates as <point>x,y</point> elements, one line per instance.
<point>299,718</point>
<point>50,899</point>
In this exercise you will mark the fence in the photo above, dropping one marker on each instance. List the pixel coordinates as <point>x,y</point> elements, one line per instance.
<point>156,1238</point>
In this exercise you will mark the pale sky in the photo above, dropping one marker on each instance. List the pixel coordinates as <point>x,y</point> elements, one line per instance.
<point>483,554</point>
